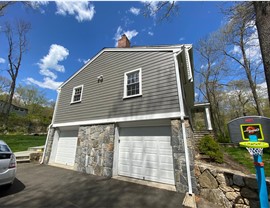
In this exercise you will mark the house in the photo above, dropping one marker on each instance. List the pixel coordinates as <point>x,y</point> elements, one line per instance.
<point>127,113</point>
<point>13,109</point>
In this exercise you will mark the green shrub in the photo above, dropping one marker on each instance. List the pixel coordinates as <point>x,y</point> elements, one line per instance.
<point>210,147</point>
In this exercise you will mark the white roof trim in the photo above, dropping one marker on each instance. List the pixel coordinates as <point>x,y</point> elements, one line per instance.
<point>173,48</point>
<point>121,119</point>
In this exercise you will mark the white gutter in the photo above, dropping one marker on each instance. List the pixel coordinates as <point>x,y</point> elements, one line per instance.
<point>182,114</point>
<point>50,126</point>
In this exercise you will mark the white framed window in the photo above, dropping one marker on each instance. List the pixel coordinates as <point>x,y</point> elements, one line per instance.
<point>133,83</point>
<point>77,94</point>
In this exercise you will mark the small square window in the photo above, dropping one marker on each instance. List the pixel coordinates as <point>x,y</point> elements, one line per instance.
<point>77,94</point>
<point>133,83</point>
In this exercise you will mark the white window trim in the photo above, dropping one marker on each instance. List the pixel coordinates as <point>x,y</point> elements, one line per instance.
<point>73,93</point>
<point>125,83</point>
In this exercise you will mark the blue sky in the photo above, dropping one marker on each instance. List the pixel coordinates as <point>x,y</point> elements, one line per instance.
<point>64,35</point>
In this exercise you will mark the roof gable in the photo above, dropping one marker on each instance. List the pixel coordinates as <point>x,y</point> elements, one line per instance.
<point>174,48</point>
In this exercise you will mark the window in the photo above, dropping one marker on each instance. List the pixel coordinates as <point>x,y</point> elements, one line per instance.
<point>4,148</point>
<point>77,94</point>
<point>133,83</point>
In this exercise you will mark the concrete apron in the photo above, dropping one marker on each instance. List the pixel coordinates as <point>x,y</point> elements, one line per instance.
<point>146,183</point>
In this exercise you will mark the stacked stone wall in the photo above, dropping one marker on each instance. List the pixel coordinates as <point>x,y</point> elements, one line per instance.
<point>95,148</point>
<point>179,159</point>
<point>227,188</point>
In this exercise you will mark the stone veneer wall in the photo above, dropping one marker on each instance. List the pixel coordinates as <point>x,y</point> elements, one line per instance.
<point>227,188</point>
<point>48,147</point>
<point>179,160</point>
<point>95,147</point>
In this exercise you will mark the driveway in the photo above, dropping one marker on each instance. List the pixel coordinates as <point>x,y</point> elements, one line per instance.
<point>46,186</point>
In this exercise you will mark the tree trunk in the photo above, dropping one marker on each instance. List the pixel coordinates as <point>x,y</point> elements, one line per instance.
<point>262,10</point>
<point>10,98</point>
<point>249,77</point>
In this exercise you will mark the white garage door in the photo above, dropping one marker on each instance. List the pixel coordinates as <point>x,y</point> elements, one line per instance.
<point>66,148</point>
<point>146,153</point>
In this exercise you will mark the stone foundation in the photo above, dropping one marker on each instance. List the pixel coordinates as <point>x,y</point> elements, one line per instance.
<point>95,148</point>
<point>227,188</point>
<point>179,160</point>
<point>48,147</point>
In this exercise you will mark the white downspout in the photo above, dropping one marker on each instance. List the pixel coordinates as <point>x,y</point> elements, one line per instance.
<point>182,114</point>
<point>49,128</point>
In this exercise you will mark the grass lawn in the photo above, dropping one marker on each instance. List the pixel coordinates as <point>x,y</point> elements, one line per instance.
<point>242,156</point>
<point>22,142</point>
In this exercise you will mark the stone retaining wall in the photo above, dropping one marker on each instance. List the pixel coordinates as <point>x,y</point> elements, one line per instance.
<point>95,148</point>
<point>227,188</point>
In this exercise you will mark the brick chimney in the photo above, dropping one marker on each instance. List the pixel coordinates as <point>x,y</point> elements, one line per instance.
<point>123,42</point>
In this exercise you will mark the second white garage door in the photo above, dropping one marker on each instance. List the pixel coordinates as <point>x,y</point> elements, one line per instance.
<point>66,148</point>
<point>146,153</point>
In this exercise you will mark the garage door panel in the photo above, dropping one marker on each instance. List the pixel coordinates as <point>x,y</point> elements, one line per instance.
<point>152,165</point>
<point>146,153</point>
<point>166,174</point>
<point>165,159</point>
<point>166,166</point>
<point>151,172</point>
<point>66,148</point>
<point>136,156</point>
<point>151,158</point>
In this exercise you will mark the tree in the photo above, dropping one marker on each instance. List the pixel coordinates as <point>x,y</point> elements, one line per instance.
<point>5,4</point>
<point>212,70</point>
<point>238,97</point>
<point>262,11</point>
<point>4,84</point>
<point>239,41</point>
<point>28,95</point>
<point>17,46</point>
<point>160,9</point>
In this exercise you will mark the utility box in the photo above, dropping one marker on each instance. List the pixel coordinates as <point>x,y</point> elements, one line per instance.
<point>240,128</point>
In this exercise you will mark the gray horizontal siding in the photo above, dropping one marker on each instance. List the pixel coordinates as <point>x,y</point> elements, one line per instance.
<point>105,100</point>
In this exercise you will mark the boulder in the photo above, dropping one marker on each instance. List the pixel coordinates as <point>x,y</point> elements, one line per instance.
<point>238,180</point>
<point>207,180</point>
<point>215,196</point>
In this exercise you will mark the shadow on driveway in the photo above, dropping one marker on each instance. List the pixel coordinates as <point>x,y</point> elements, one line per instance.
<point>17,187</point>
<point>48,186</point>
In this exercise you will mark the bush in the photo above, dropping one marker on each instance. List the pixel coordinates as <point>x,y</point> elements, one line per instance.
<point>210,147</point>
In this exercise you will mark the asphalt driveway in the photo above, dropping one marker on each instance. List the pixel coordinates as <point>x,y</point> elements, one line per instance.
<point>46,186</point>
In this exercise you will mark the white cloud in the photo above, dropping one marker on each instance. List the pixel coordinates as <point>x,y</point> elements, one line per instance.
<point>135,11</point>
<point>129,33</point>
<point>83,60</point>
<point>38,5</point>
<point>150,33</point>
<point>181,38</point>
<point>82,10</point>
<point>49,62</point>
<point>47,83</point>
<point>2,61</point>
